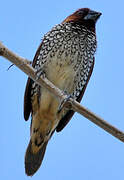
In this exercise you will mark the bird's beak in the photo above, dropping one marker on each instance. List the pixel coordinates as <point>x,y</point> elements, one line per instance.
<point>92,15</point>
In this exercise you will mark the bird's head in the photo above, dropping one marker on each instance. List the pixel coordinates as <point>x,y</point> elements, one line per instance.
<point>84,16</point>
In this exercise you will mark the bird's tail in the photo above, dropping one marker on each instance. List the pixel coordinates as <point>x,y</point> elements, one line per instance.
<point>34,160</point>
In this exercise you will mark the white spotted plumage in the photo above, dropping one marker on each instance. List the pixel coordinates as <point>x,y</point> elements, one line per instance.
<point>66,57</point>
<point>76,43</point>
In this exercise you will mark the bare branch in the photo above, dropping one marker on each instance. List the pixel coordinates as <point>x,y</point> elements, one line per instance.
<point>24,65</point>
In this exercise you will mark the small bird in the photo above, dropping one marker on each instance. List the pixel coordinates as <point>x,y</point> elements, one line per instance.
<point>66,58</point>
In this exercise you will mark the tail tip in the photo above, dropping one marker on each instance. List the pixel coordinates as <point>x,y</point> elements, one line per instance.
<point>29,171</point>
<point>33,161</point>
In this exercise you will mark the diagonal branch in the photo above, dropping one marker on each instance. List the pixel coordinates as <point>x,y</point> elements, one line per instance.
<point>24,65</point>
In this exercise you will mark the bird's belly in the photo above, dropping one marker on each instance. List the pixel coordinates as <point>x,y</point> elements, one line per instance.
<point>46,119</point>
<point>61,74</point>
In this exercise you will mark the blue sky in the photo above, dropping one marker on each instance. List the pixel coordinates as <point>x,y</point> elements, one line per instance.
<point>82,150</point>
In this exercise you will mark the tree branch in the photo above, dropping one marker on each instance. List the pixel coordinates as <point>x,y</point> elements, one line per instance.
<point>24,65</point>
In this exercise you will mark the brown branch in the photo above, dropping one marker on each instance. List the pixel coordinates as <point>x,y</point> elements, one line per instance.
<point>24,65</point>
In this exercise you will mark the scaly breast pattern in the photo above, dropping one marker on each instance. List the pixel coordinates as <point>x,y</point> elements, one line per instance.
<point>66,57</point>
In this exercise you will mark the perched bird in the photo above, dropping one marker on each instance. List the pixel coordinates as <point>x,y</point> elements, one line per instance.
<point>66,57</point>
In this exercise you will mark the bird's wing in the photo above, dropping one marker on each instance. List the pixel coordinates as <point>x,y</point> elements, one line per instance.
<point>64,121</point>
<point>27,95</point>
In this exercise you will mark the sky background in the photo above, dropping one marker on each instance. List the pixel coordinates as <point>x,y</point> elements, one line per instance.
<point>82,150</point>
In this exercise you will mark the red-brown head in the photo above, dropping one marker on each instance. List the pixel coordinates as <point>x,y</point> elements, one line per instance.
<point>84,16</point>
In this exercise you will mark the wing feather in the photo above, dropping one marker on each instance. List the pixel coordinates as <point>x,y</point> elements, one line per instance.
<point>27,95</point>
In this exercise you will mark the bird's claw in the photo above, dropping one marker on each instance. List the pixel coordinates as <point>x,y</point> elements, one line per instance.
<point>62,104</point>
<point>39,73</point>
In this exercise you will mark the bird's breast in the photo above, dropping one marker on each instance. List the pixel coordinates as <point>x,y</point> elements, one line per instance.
<point>61,73</point>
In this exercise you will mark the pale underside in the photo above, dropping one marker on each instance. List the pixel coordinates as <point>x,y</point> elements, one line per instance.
<point>46,117</point>
<point>66,58</point>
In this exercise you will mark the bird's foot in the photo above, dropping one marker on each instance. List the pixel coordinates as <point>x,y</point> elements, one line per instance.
<point>40,73</point>
<point>64,102</point>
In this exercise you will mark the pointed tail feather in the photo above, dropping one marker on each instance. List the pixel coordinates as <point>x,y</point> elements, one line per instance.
<point>34,160</point>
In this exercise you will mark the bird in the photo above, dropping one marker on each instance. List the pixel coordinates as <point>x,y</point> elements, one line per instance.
<point>65,57</point>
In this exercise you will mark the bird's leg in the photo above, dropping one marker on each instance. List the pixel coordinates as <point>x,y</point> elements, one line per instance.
<point>40,73</point>
<point>64,102</point>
